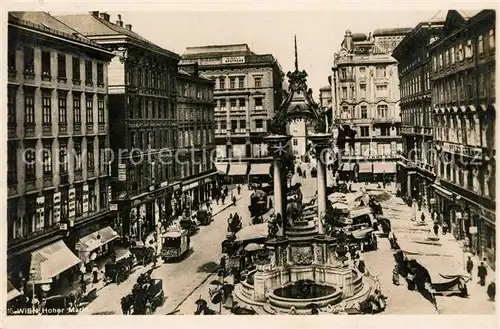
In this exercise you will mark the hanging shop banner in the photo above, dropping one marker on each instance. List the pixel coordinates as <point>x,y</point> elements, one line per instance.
<point>85,198</point>
<point>122,172</point>
<point>40,211</point>
<point>71,206</point>
<point>110,194</point>
<point>57,207</point>
<point>153,172</point>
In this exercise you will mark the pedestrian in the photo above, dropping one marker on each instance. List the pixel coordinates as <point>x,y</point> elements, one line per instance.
<point>361,265</point>
<point>223,263</point>
<point>422,217</point>
<point>395,275</point>
<point>217,197</point>
<point>469,266</point>
<point>482,273</point>
<point>436,228</point>
<point>234,200</point>
<point>95,273</point>
<point>239,189</point>
<point>445,228</point>
<point>491,291</point>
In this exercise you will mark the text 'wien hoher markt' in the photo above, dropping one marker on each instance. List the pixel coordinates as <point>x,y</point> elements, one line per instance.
<point>143,181</point>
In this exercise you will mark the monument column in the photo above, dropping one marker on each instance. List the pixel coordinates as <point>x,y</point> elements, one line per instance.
<point>321,143</point>
<point>277,147</point>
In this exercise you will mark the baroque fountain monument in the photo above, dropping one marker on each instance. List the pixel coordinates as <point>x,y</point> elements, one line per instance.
<point>306,266</point>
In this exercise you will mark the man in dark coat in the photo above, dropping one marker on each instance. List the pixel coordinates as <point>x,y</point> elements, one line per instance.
<point>469,266</point>
<point>481,273</point>
<point>491,291</point>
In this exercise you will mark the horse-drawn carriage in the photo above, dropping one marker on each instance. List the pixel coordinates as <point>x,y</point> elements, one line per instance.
<point>258,203</point>
<point>189,225</point>
<point>146,296</point>
<point>119,270</point>
<point>204,216</point>
<point>143,255</point>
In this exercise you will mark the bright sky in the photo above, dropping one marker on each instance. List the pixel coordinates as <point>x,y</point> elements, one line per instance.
<point>265,27</point>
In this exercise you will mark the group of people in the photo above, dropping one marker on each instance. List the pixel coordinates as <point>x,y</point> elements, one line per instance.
<point>482,272</point>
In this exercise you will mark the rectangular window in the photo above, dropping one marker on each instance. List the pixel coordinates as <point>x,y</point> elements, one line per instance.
<point>100,110</point>
<point>258,103</point>
<point>30,164</point>
<point>222,83</point>
<point>381,72</point>
<point>233,104</point>
<point>364,112</point>
<point>362,71</point>
<point>480,45</point>
<point>11,163</point>
<point>12,55</point>
<point>11,106</point>
<point>47,159</point>
<point>295,142</point>
<point>29,60</point>
<point>382,111</point>
<point>243,124</point>
<point>362,90</point>
<point>234,125</point>
<point>446,58</point>
<point>90,153</point>
<point>100,74</point>
<point>460,53</point>
<point>232,83</point>
<point>61,66</point>
<point>89,110</point>
<point>469,52</point>
<point>259,124</point>
<point>241,82</point>
<point>343,73</point>
<point>46,109</point>
<point>385,131</point>
<point>88,72</point>
<point>77,109</point>
<point>434,63</point>
<point>76,69</point>
<point>242,103</point>
<point>452,55</point>
<point>223,125</point>
<point>258,82</point>
<point>440,61</point>
<point>365,131</point>
<point>29,107</point>
<point>46,64</point>
<point>63,114</point>
<point>78,154</point>
<point>344,92</point>
<point>63,158</point>
<point>223,104</point>
<point>381,91</point>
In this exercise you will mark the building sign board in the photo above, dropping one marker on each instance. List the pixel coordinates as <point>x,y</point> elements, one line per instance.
<point>233,60</point>
<point>40,211</point>
<point>462,150</point>
<point>57,207</point>
<point>71,205</point>
<point>85,198</point>
<point>122,172</point>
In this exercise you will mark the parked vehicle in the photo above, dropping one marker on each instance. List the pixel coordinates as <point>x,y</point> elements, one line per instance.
<point>119,270</point>
<point>190,225</point>
<point>175,244</point>
<point>147,295</point>
<point>143,255</point>
<point>204,216</point>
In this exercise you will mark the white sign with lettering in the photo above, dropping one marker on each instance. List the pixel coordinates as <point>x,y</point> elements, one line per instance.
<point>40,211</point>
<point>122,172</point>
<point>233,60</point>
<point>57,207</point>
<point>71,205</point>
<point>85,199</point>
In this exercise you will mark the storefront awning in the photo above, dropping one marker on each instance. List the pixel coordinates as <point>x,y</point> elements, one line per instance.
<point>95,240</point>
<point>384,167</point>
<point>237,169</point>
<point>259,169</point>
<point>252,232</point>
<point>443,192</point>
<point>365,167</point>
<point>50,261</point>
<point>221,168</point>
<point>12,292</point>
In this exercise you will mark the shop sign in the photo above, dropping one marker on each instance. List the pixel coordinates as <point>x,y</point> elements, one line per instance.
<point>110,194</point>
<point>462,150</point>
<point>473,230</point>
<point>164,184</point>
<point>122,172</point>
<point>151,188</point>
<point>57,207</point>
<point>113,206</point>
<point>63,226</point>
<point>233,60</point>
<point>177,187</point>
<point>190,186</point>
<point>71,205</point>
<point>40,210</point>
<point>85,198</point>
<point>458,215</point>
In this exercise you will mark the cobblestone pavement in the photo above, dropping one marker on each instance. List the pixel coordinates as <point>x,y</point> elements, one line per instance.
<point>182,278</point>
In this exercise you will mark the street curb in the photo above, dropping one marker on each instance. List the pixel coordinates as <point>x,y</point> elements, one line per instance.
<point>191,293</point>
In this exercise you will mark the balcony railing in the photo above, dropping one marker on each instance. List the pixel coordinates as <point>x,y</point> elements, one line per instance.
<point>47,129</point>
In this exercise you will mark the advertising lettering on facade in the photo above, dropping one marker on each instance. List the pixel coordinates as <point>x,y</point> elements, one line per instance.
<point>122,172</point>
<point>85,198</point>
<point>233,60</point>
<point>57,207</point>
<point>71,206</point>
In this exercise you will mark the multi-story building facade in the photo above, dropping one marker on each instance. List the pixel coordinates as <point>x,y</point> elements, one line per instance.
<point>143,122</point>
<point>325,97</point>
<point>416,172</point>
<point>367,100</point>
<point>57,126</point>
<point>247,92</point>
<point>196,134</point>
<point>463,100</point>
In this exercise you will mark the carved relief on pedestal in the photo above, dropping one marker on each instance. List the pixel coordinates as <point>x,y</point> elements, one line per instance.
<point>302,255</point>
<point>319,254</point>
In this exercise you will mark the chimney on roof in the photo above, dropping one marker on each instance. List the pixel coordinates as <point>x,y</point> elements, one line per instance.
<point>104,16</point>
<point>119,21</point>
<point>94,13</point>
<point>128,27</point>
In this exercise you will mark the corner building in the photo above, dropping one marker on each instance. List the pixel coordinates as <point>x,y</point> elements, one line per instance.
<point>463,101</point>
<point>366,99</point>
<point>57,127</point>
<point>248,90</point>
